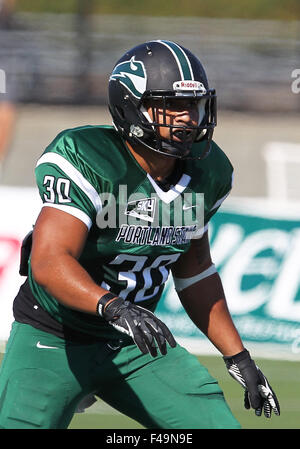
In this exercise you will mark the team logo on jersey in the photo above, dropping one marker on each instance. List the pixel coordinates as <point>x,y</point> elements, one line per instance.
<point>143,209</point>
<point>132,75</point>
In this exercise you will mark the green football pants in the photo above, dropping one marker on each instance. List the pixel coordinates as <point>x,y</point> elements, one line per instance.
<point>43,377</point>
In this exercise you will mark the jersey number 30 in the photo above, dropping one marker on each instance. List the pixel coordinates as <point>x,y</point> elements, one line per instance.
<point>58,190</point>
<point>142,280</point>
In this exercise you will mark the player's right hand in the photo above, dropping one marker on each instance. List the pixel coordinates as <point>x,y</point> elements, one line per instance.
<point>143,326</point>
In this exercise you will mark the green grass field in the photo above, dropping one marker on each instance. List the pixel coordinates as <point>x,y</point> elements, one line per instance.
<point>283,376</point>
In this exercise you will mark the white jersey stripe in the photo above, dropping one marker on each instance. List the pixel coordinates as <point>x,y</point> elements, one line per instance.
<point>78,213</point>
<point>174,191</point>
<point>74,175</point>
<point>220,201</point>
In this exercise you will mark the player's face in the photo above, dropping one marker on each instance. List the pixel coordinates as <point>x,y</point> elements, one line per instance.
<point>183,113</point>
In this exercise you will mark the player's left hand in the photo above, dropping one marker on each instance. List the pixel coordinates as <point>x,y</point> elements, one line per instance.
<point>258,392</point>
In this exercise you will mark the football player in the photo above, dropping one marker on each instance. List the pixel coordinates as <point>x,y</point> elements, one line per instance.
<point>124,205</point>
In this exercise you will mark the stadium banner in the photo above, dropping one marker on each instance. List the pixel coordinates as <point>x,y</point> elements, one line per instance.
<point>19,208</point>
<point>255,246</point>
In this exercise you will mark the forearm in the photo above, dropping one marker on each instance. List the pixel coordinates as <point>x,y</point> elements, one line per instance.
<point>65,279</point>
<point>206,305</point>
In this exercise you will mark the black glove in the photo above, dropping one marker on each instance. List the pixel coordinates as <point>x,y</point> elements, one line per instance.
<point>258,392</point>
<point>141,324</point>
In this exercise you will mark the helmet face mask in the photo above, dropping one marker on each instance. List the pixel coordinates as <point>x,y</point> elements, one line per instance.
<point>181,137</point>
<point>145,92</point>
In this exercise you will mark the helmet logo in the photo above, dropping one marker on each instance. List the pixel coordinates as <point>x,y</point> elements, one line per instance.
<point>189,85</point>
<point>132,75</point>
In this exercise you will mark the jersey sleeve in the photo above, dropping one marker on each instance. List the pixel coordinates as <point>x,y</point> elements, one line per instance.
<point>62,185</point>
<point>221,196</point>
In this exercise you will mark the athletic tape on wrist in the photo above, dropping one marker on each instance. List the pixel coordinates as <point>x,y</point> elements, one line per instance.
<point>182,283</point>
<point>103,301</point>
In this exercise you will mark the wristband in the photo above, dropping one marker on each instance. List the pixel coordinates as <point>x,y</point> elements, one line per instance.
<point>238,357</point>
<point>103,301</point>
<point>182,283</point>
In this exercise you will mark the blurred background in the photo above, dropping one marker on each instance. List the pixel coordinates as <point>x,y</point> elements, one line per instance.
<point>57,57</point>
<point>55,60</point>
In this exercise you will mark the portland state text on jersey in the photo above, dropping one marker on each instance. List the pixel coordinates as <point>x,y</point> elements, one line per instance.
<point>164,235</point>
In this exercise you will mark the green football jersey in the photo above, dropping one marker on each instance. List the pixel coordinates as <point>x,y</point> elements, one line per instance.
<point>137,230</point>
